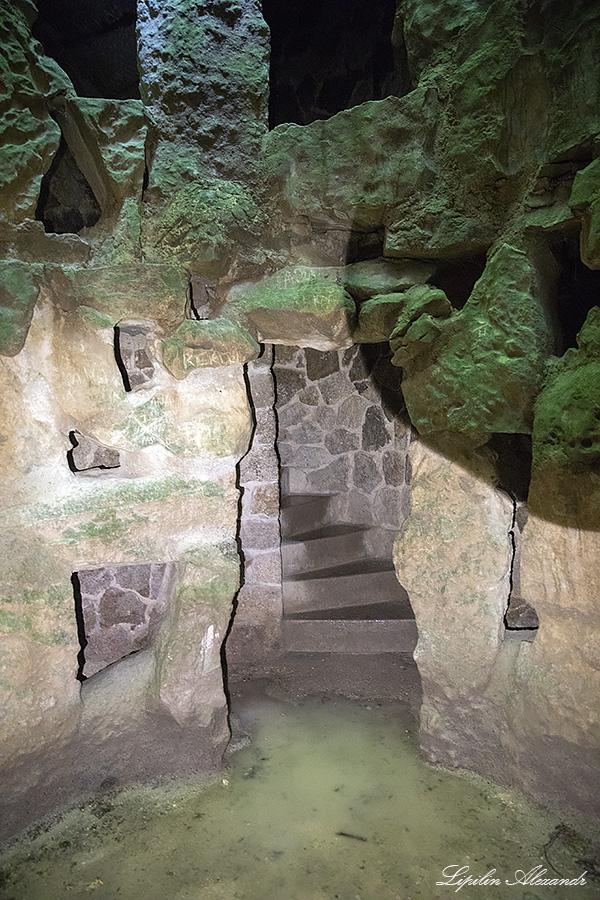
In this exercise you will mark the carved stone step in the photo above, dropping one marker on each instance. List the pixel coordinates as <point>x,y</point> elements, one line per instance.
<point>357,636</point>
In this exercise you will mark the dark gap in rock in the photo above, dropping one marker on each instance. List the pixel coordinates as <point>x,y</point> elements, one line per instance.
<point>94,43</point>
<point>514,452</point>
<point>202,298</point>
<point>457,277</point>
<point>364,245</point>
<point>577,290</point>
<point>132,346</point>
<point>238,540</point>
<point>119,360</point>
<point>520,618</point>
<point>67,203</point>
<point>80,626</point>
<point>330,55</point>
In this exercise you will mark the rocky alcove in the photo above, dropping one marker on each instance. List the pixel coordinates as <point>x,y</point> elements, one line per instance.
<point>280,316</point>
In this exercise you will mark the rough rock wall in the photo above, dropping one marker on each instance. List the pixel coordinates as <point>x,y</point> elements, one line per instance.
<point>122,424</point>
<point>126,342</point>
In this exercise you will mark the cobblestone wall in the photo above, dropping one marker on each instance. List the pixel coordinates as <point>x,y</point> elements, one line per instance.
<point>122,607</point>
<point>342,431</point>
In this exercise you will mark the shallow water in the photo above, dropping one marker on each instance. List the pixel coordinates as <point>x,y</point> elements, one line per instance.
<point>330,802</point>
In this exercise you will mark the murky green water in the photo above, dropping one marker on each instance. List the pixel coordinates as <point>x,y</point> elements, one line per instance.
<point>329,802</point>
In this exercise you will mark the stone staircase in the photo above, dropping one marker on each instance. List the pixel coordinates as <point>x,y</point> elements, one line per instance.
<point>340,591</point>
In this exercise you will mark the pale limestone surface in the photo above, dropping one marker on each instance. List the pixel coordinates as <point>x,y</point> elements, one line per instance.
<point>173,499</point>
<point>518,708</point>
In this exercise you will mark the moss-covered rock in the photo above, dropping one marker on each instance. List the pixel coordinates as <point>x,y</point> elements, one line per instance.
<point>480,370</point>
<point>131,291</point>
<point>345,170</point>
<point>19,287</point>
<point>385,276</point>
<point>208,342</point>
<point>298,305</point>
<point>202,222</point>
<point>377,318</point>
<point>30,137</point>
<point>585,201</point>
<point>566,435</point>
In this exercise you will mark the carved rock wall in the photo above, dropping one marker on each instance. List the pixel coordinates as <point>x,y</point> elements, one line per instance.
<point>126,343</point>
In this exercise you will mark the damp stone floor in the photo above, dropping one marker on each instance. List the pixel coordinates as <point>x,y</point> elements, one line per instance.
<point>327,799</point>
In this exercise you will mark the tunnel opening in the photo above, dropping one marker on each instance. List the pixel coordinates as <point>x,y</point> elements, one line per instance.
<point>344,492</point>
<point>330,55</point>
<point>577,289</point>
<point>94,43</point>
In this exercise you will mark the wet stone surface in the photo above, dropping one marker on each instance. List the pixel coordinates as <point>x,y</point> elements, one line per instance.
<point>328,798</point>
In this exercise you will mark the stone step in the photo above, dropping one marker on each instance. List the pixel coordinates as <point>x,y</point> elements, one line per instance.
<point>355,636</point>
<point>342,587</point>
<point>388,609</point>
<point>336,545</point>
<point>303,512</point>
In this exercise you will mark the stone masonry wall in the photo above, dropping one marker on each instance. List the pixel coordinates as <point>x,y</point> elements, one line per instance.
<point>255,633</point>
<point>122,609</point>
<point>343,432</point>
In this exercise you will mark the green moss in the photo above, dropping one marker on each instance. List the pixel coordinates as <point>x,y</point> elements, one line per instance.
<point>135,290</point>
<point>94,318</point>
<point>201,220</point>
<point>106,527</point>
<point>298,289</point>
<point>19,286</point>
<point>41,614</point>
<point>129,494</point>
<point>211,342</point>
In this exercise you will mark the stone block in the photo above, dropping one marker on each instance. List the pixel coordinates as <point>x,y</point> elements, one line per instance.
<point>377,318</point>
<point>214,342</point>
<point>394,467</point>
<point>351,412</point>
<point>259,467</point>
<point>341,440</point>
<point>264,500</point>
<point>263,568</point>
<point>521,615</point>
<point>385,276</point>
<point>330,479</point>
<point>265,433</point>
<point>298,305</point>
<point>288,384</point>
<point>374,430</point>
<point>335,387</point>
<point>259,533</point>
<point>366,475</point>
<point>262,389</point>
<point>19,288</point>
<point>320,363</point>
<point>88,453</point>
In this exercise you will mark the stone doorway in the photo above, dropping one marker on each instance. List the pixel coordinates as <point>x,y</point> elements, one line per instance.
<point>343,443</point>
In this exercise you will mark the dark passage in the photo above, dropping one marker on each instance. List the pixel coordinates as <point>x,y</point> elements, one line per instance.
<point>94,42</point>
<point>67,203</point>
<point>329,55</point>
<point>578,288</point>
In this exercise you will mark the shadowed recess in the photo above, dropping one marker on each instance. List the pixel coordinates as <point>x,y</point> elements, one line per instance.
<point>329,55</point>
<point>95,44</point>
